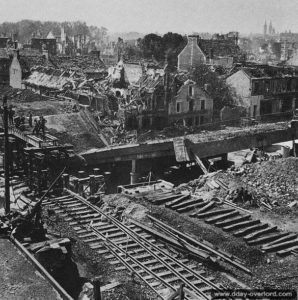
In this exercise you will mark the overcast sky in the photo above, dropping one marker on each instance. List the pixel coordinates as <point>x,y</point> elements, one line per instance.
<point>184,16</point>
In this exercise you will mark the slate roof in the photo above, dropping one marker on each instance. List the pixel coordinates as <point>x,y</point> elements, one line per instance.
<point>150,82</point>
<point>269,72</point>
<point>47,77</point>
<point>219,48</point>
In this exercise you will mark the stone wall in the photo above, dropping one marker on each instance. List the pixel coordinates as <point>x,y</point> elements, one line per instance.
<point>231,113</point>
<point>183,99</point>
<point>191,55</point>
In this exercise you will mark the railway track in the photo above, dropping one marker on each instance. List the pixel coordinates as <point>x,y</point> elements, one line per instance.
<point>130,247</point>
<point>231,219</point>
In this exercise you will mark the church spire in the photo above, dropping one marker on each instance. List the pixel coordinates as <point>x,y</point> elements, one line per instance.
<point>265,29</point>
<point>270,28</point>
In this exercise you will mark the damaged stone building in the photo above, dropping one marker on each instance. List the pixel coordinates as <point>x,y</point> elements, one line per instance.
<point>42,44</point>
<point>164,98</point>
<point>221,50</point>
<point>265,90</point>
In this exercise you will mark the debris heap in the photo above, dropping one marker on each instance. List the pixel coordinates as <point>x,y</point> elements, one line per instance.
<point>277,179</point>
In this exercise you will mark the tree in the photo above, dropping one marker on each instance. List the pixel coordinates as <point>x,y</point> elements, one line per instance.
<point>217,88</point>
<point>152,45</point>
<point>172,40</point>
<point>173,44</point>
<point>169,45</point>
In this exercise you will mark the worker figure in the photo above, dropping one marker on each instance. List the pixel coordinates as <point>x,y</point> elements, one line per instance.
<point>241,194</point>
<point>30,120</point>
<point>22,122</point>
<point>36,127</point>
<point>11,113</point>
<point>42,124</point>
<point>17,121</point>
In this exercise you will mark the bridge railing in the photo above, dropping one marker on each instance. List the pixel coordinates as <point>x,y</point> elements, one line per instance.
<point>246,121</point>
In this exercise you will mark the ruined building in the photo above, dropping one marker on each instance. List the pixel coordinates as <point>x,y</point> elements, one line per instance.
<point>163,98</point>
<point>221,50</point>
<point>265,90</point>
<point>41,44</point>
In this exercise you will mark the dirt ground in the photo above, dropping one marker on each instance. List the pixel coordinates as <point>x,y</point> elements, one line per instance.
<point>41,107</point>
<point>19,279</point>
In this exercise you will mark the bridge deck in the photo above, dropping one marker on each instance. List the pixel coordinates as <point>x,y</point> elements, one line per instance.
<point>35,140</point>
<point>205,144</point>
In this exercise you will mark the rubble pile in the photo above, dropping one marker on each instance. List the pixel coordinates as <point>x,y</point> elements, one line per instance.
<point>271,183</point>
<point>193,185</point>
<point>19,95</point>
<point>79,63</point>
<point>275,179</point>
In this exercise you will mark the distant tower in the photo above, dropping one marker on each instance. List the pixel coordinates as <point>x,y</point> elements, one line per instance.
<point>63,35</point>
<point>270,28</point>
<point>63,40</point>
<point>273,31</point>
<point>265,29</point>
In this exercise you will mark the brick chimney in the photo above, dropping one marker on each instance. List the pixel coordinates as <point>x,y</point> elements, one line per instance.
<point>192,39</point>
<point>207,87</point>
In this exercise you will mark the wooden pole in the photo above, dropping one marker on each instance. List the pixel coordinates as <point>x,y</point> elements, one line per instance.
<point>6,156</point>
<point>96,286</point>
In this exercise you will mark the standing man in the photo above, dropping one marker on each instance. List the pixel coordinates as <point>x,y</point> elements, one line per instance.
<point>30,119</point>
<point>11,115</point>
<point>43,124</point>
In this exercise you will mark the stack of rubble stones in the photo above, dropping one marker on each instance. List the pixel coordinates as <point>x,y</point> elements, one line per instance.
<point>275,179</point>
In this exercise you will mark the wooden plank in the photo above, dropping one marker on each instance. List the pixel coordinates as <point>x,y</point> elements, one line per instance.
<point>180,149</point>
<point>247,230</point>
<point>190,207</point>
<point>287,251</point>
<point>202,214</point>
<point>222,217</point>
<point>186,203</point>
<point>177,201</point>
<point>266,239</point>
<point>259,233</point>
<point>206,206</point>
<point>163,200</point>
<point>200,163</point>
<point>280,246</point>
<point>289,237</point>
<point>248,223</point>
<point>236,220</point>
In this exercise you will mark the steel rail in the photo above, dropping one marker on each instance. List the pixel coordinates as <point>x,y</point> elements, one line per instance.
<point>224,256</point>
<point>158,258</point>
<point>41,269</point>
<point>137,238</point>
<point>119,257</point>
<point>106,241</point>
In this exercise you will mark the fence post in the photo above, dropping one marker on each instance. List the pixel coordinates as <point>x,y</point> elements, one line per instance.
<point>96,287</point>
<point>181,292</point>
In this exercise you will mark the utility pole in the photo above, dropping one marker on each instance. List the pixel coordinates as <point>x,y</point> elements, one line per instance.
<point>6,155</point>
